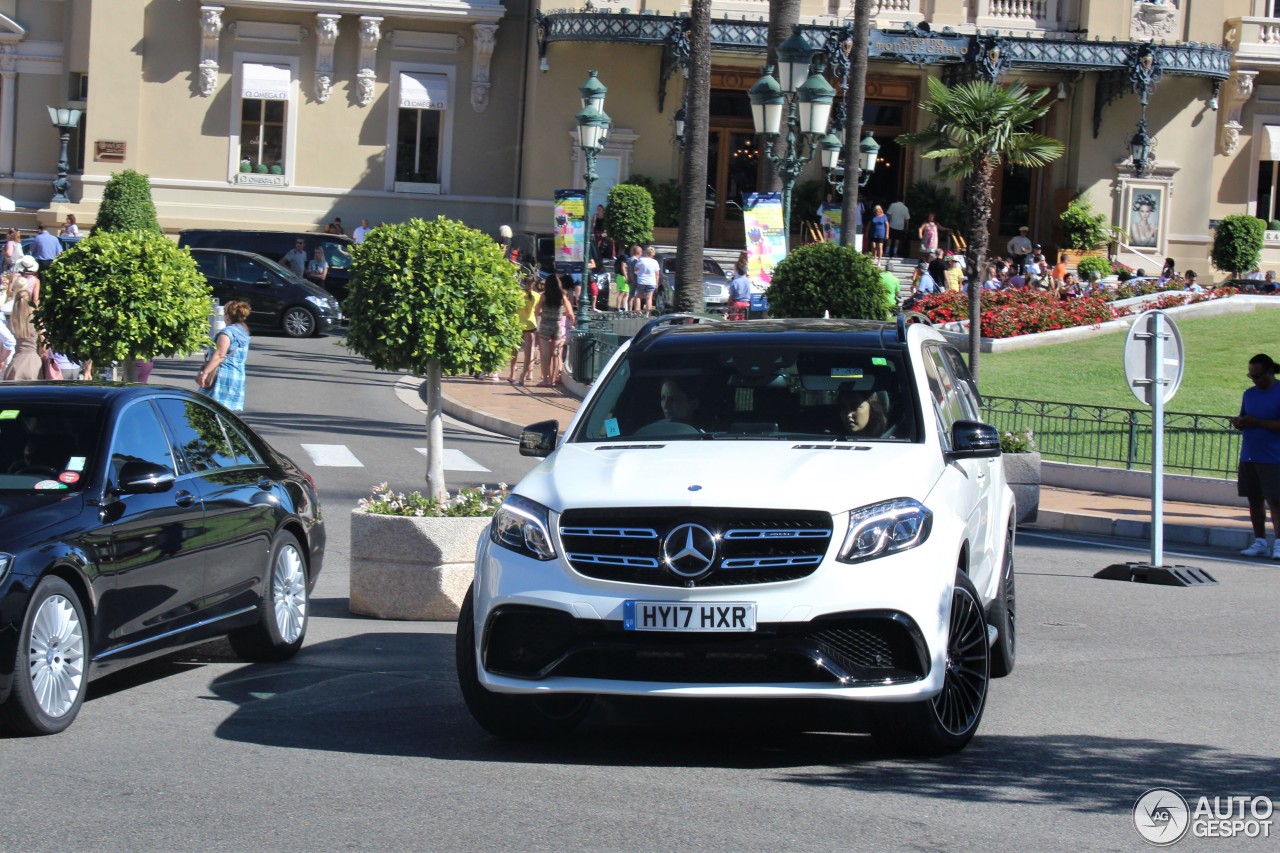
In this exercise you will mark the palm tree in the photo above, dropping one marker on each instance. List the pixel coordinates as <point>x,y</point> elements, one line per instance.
<point>980,126</point>
<point>693,172</point>
<point>855,96</point>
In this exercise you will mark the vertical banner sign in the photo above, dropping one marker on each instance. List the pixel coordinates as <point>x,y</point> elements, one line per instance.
<point>766,243</point>
<point>831,224</point>
<point>570,229</point>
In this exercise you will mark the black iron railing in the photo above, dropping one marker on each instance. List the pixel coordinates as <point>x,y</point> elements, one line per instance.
<point>1198,445</point>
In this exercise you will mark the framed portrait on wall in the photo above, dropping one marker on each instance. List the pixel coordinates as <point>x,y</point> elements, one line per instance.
<point>1144,216</point>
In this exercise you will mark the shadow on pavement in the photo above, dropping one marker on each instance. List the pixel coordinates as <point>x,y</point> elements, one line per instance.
<point>396,694</point>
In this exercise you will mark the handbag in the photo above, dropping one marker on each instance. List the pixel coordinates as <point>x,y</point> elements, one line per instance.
<point>50,371</point>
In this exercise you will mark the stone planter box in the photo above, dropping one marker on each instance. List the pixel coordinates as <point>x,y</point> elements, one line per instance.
<point>1022,470</point>
<point>412,568</point>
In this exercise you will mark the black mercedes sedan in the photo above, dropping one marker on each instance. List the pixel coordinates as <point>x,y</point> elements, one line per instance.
<point>135,520</point>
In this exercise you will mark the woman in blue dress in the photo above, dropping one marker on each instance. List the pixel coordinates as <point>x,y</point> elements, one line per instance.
<point>879,229</point>
<point>222,376</point>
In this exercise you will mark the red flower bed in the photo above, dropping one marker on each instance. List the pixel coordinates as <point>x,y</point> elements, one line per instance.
<point>1009,313</point>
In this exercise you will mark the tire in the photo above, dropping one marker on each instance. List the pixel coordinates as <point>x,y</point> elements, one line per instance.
<point>298,322</point>
<point>285,607</point>
<point>52,662</point>
<point>947,722</point>
<point>508,716</point>
<point>1003,610</point>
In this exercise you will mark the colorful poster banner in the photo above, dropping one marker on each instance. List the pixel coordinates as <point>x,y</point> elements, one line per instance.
<point>766,242</point>
<point>830,220</point>
<point>570,229</point>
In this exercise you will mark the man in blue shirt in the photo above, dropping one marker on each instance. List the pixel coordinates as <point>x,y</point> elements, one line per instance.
<point>1259,477</point>
<point>45,248</point>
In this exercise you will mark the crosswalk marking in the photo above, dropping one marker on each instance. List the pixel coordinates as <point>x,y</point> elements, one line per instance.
<point>456,460</point>
<point>332,456</point>
<point>340,456</point>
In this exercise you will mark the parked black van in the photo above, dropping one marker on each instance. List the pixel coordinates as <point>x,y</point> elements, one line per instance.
<point>276,244</point>
<point>277,298</point>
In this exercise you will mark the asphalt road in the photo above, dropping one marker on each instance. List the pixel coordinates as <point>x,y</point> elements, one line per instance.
<point>362,741</point>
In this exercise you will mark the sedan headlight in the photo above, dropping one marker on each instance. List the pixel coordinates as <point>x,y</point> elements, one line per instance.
<point>6,560</point>
<point>318,301</point>
<point>523,526</point>
<point>885,528</point>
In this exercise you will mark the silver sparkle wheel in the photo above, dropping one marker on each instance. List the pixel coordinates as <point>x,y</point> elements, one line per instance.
<point>289,593</point>
<point>283,609</point>
<point>53,659</point>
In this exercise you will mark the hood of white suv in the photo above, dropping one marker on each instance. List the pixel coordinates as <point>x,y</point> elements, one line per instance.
<point>819,475</point>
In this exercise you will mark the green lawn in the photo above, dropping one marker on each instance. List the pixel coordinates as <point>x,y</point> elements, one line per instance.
<point>1218,350</point>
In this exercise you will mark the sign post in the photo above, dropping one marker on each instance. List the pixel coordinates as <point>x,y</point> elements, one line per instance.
<point>1153,367</point>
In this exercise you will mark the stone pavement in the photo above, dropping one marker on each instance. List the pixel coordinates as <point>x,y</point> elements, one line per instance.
<point>505,408</point>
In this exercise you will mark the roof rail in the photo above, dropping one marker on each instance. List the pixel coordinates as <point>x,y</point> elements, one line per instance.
<point>902,328</point>
<point>671,320</point>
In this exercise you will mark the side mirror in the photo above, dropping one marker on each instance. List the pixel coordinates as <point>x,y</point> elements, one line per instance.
<point>973,440</point>
<point>144,478</point>
<point>539,439</point>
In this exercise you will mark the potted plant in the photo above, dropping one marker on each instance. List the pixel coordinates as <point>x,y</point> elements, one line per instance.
<point>1022,470</point>
<point>1083,230</point>
<point>629,215</point>
<point>437,299</point>
<point>412,557</point>
<point>1237,244</point>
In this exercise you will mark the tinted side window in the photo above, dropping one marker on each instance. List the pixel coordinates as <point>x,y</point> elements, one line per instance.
<point>139,437</point>
<point>198,432</point>
<point>241,268</point>
<point>336,254</point>
<point>243,449</point>
<point>965,384</point>
<point>210,264</point>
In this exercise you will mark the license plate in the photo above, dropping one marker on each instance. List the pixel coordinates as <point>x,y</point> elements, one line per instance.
<point>696,616</point>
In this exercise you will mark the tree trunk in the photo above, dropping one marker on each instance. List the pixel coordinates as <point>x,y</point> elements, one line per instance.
<point>979,187</point>
<point>783,15</point>
<point>130,368</point>
<point>693,171</point>
<point>855,98</point>
<point>435,435</point>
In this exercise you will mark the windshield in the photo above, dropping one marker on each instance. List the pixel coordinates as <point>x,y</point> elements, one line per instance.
<point>47,446</point>
<point>754,393</point>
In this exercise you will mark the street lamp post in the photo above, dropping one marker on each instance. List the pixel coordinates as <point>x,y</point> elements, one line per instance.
<point>65,120</point>
<point>807,97</point>
<point>832,154</point>
<point>593,125</point>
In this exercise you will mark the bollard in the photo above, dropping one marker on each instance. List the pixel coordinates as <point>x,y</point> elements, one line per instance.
<point>217,318</point>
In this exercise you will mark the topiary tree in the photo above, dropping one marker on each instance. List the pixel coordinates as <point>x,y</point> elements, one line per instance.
<point>629,215</point>
<point>124,296</point>
<point>825,277</point>
<point>1082,229</point>
<point>126,204</point>
<point>1237,244</point>
<point>1093,264</point>
<point>437,299</point>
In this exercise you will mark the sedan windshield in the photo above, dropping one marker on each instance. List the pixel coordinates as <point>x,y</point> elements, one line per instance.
<point>46,446</point>
<point>754,393</point>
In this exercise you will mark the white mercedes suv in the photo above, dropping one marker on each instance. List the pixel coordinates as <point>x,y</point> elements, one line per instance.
<point>803,509</point>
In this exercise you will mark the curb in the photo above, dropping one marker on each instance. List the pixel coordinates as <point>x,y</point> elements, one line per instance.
<point>410,390</point>
<point>1181,534</point>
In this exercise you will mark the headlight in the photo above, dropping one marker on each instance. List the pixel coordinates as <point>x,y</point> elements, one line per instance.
<point>885,528</point>
<point>6,560</point>
<point>318,301</point>
<point>524,527</point>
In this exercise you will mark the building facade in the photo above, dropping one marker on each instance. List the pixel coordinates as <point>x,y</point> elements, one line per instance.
<point>287,113</point>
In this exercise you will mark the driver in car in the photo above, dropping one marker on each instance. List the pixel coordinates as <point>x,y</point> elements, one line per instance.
<point>860,412</point>
<point>677,403</point>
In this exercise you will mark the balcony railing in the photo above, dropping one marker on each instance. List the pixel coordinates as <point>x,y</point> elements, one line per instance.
<point>1016,14</point>
<point>1253,38</point>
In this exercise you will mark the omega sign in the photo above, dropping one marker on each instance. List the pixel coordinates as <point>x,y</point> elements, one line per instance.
<point>110,152</point>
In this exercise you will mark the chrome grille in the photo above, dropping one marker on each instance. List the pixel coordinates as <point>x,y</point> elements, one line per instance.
<point>753,545</point>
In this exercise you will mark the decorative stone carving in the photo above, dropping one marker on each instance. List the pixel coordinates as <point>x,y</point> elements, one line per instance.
<point>1235,92</point>
<point>326,35</point>
<point>210,31</point>
<point>1154,19</point>
<point>8,58</point>
<point>370,34</point>
<point>482,44</point>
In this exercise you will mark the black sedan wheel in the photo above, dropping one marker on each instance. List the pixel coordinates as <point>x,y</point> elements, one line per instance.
<point>947,722</point>
<point>507,715</point>
<point>284,609</point>
<point>298,322</point>
<point>52,662</point>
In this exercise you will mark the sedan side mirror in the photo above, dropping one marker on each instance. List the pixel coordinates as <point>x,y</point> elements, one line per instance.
<point>138,477</point>
<point>539,439</point>
<point>973,440</point>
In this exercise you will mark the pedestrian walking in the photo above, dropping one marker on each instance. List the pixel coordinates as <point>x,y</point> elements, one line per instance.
<point>25,364</point>
<point>296,258</point>
<point>552,311</point>
<point>1259,473</point>
<point>223,375</point>
<point>899,215</point>
<point>878,229</point>
<point>647,273</point>
<point>528,314</point>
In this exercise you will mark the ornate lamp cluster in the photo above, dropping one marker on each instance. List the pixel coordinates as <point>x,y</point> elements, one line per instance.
<point>593,127</point>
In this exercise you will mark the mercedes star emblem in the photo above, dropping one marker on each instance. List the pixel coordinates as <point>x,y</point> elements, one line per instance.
<point>689,550</point>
